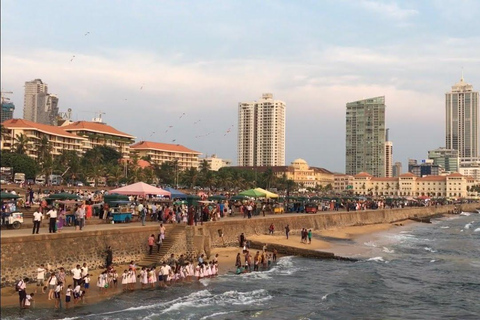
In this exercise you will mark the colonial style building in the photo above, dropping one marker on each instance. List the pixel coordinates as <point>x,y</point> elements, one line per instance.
<point>58,138</point>
<point>343,182</point>
<point>454,185</point>
<point>100,134</point>
<point>165,152</point>
<point>300,172</point>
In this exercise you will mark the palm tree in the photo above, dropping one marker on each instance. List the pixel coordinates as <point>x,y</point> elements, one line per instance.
<point>20,143</point>
<point>189,177</point>
<point>268,177</point>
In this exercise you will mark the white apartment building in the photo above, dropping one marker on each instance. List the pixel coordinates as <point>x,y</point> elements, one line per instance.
<point>215,163</point>
<point>261,132</point>
<point>39,106</point>
<point>461,115</point>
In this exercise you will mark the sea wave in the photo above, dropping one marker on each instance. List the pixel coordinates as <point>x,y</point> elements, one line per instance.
<point>386,250</point>
<point>376,259</point>
<point>429,249</point>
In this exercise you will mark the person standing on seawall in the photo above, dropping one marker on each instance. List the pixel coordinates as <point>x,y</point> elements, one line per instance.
<point>37,219</point>
<point>287,230</point>
<point>52,214</point>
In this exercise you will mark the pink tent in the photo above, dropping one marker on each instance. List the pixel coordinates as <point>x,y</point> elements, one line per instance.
<point>140,189</point>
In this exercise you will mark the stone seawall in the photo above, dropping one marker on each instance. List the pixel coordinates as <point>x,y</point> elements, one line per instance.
<point>22,255</point>
<point>319,221</point>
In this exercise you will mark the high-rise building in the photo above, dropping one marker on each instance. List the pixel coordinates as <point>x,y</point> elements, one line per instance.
<point>425,168</point>
<point>365,137</point>
<point>388,155</point>
<point>461,125</point>
<point>397,169</point>
<point>261,132</point>
<point>39,106</point>
<point>7,111</point>
<point>447,159</point>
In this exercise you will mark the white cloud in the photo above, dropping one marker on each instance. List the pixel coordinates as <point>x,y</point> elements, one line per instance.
<point>390,9</point>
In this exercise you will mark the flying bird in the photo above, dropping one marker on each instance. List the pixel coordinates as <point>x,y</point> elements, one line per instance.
<point>152,133</point>
<point>86,34</point>
<point>182,115</point>
<point>174,140</point>
<point>72,58</point>
<point>197,121</point>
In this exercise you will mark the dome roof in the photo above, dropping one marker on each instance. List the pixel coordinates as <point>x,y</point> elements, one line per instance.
<point>300,164</point>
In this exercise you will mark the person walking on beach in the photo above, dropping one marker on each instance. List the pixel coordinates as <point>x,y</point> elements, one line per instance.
<point>22,292</point>
<point>159,242</point>
<point>41,278</point>
<point>287,230</point>
<point>52,214</point>
<point>310,236</point>
<point>37,219</point>
<point>151,242</point>
<point>77,275</point>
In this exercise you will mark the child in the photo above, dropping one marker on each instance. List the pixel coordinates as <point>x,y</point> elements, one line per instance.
<point>87,281</point>
<point>68,295</point>
<point>114,278</point>
<point>58,293</point>
<point>125,280</point>
<point>28,300</point>
<point>76,293</point>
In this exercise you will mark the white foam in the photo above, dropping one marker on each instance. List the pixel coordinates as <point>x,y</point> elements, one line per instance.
<point>213,315</point>
<point>429,249</point>
<point>463,213</point>
<point>468,225</point>
<point>386,250</point>
<point>325,296</point>
<point>445,227</point>
<point>431,261</point>
<point>370,244</point>
<point>376,259</point>
<point>476,230</point>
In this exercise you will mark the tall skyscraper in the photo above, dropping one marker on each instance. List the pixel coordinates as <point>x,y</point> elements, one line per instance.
<point>365,137</point>
<point>388,155</point>
<point>39,106</point>
<point>261,132</point>
<point>461,125</point>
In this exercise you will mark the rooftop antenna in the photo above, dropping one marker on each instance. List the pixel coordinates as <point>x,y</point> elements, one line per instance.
<point>462,76</point>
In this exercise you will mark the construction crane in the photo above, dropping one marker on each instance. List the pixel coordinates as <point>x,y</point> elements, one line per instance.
<point>3,95</point>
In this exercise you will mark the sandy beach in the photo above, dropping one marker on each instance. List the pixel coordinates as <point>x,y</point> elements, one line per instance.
<point>341,241</point>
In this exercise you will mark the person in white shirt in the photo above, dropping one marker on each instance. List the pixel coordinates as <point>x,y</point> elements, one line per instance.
<point>37,219</point>
<point>28,300</point>
<point>84,270</point>
<point>165,271</point>
<point>77,275</point>
<point>52,213</point>
<point>41,278</point>
<point>22,292</point>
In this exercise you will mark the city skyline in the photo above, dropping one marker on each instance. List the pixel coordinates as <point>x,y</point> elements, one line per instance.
<point>200,60</point>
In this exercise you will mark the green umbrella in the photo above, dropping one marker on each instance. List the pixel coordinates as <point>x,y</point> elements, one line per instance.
<point>192,199</point>
<point>8,196</point>
<point>252,193</point>
<point>238,198</point>
<point>62,196</point>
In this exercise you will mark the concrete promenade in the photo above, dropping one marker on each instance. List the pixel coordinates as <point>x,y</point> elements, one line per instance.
<point>25,232</point>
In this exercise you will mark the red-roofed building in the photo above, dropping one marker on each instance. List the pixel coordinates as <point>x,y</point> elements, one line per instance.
<point>165,152</point>
<point>58,138</point>
<point>101,134</point>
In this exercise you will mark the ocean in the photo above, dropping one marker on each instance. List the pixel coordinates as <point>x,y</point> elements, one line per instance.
<point>425,271</point>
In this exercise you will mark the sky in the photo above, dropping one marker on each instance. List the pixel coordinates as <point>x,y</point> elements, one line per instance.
<point>175,71</point>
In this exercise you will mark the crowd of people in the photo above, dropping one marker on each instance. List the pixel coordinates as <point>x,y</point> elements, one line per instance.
<point>62,286</point>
